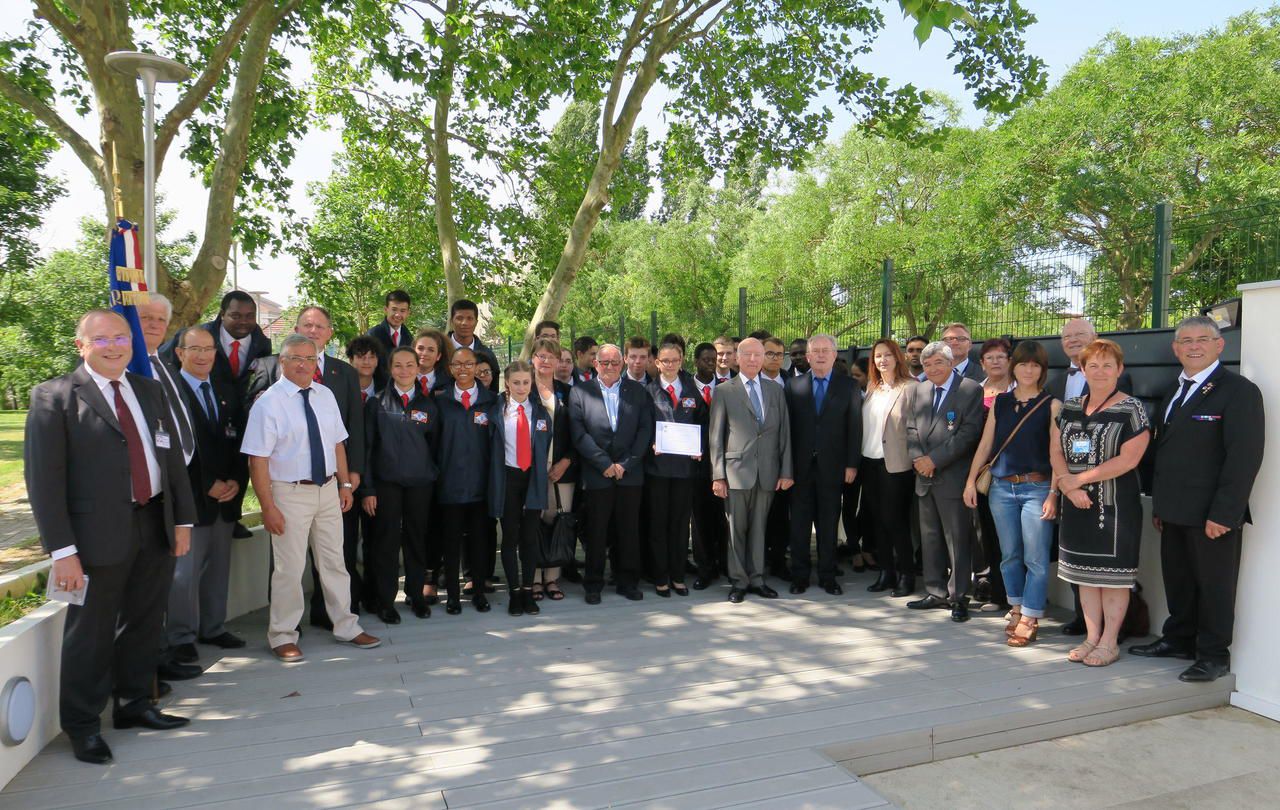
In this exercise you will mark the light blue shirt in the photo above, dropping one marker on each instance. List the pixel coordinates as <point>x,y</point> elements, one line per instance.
<point>747,382</point>
<point>194,384</point>
<point>611,395</point>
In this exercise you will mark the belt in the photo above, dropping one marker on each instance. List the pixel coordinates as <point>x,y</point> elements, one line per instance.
<point>1025,478</point>
<point>309,482</point>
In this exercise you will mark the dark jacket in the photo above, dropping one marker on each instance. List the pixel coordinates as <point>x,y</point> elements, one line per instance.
<point>1207,458</point>
<point>342,381</point>
<point>948,437</point>
<point>480,349</point>
<point>598,445</point>
<point>76,464</point>
<point>540,432</point>
<point>824,444</point>
<point>691,410</point>
<point>1057,385</point>
<point>259,346</point>
<point>382,333</point>
<point>466,440</point>
<point>401,442</point>
<point>217,446</point>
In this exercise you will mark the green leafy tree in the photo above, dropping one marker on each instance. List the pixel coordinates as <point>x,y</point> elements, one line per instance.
<point>26,192</point>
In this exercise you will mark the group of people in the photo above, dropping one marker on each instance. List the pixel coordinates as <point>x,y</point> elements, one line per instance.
<point>966,469</point>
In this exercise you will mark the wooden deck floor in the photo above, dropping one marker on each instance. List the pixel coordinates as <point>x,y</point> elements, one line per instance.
<point>672,703</point>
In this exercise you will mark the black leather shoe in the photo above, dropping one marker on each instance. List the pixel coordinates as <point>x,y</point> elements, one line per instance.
<point>453,606</point>
<point>92,749</point>
<point>420,608</point>
<point>832,587</point>
<point>763,591</point>
<point>173,671</point>
<point>530,604</point>
<point>150,717</point>
<point>1204,672</point>
<point>959,612</point>
<point>883,582</point>
<point>1162,648</point>
<point>905,587</point>
<point>515,605</point>
<point>240,532</point>
<point>389,615</point>
<point>592,598</point>
<point>1075,627</point>
<point>630,592</point>
<point>665,593</point>
<point>700,584</point>
<point>226,640</point>
<point>799,587</point>
<point>185,654</point>
<point>930,602</point>
<point>736,595</point>
<point>480,602</point>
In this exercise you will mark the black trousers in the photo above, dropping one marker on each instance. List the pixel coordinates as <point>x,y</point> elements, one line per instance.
<point>815,505</point>
<point>111,645</point>
<point>403,518</point>
<point>887,504</point>
<point>464,528</point>
<point>857,525</point>
<point>613,512</point>
<point>519,531</point>
<point>356,527</point>
<point>670,503</point>
<point>987,542</point>
<point>777,532</point>
<point>1200,586</point>
<point>710,530</point>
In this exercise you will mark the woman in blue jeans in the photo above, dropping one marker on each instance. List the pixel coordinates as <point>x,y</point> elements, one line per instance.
<point>1023,503</point>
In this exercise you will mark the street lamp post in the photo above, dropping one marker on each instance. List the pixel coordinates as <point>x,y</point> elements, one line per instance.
<point>151,69</point>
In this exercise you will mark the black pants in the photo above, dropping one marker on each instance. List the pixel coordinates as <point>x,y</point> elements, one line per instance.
<point>111,644</point>
<point>464,528</point>
<point>710,530</point>
<point>403,517</point>
<point>613,512</point>
<point>519,531</point>
<point>355,526</point>
<point>1200,585</point>
<point>815,506</point>
<point>857,525</point>
<point>887,503</point>
<point>988,542</point>
<point>777,533</point>
<point>670,503</point>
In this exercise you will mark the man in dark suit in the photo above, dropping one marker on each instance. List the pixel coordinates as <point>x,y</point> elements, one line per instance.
<point>464,317</point>
<point>1208,449</point>
<point>392,332</point>
<point>344,383</point>
<point>944,424</point>
<point>826,446</point>
<point>611,421</point>
<point>799,365</point>
<point>198,597</point>
<point>585,350</point>
<point>109,493</point>
<point>957,338</point>
<point>240,342</point>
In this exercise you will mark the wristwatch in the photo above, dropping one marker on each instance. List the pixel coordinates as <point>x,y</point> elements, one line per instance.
<point>347,485</point>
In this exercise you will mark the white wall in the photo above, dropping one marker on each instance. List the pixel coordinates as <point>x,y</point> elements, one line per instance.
<point>32,647</point>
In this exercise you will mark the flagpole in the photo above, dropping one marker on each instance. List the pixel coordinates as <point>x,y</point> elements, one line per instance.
<point>151,69</point>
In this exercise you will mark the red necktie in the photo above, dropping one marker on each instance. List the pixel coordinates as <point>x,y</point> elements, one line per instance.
<point>524,450</point>
<point>317,376</point>
<point>706,394</point>
<point>364,397</point>
<point>466,400</point>
<point>586,375</point>
<point>405,399</point>
<point>671,389</point>
<point>422,383</point>
<point>234,358</point>
<point>139,476</point>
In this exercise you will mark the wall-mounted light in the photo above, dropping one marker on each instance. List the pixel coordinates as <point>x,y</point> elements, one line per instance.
<point>17,710</point>
<point>1226,313</point>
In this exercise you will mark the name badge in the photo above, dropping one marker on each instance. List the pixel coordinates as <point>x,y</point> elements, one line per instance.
<point>480,418</point>
<point>1080,447</point>
<point>418,416</point>
<point>688,403</point>
<point>162,439</point>
<point>541,425</point>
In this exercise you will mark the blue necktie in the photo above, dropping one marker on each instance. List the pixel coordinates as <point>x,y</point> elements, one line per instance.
<point>755,401</point>
<point>937,397</point>
<point>210,410</point>
<point>318,474</point>
<point>819,392</point>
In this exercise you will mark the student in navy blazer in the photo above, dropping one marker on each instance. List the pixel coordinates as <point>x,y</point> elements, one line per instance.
<point>669,479</point>
<point>522,438</point>
<point>467,411</point>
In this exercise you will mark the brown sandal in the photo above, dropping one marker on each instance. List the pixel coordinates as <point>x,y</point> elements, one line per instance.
<point>1011,622</point>
<point>1078,654</point>
<point>1102,656</point>
<point>1025,633</point>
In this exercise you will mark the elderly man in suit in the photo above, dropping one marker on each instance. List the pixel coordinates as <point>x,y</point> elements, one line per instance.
<point>611,422</point>
<point>750,443</point>
<point>944,424</point>
<point>1208,449</point>
<point>826,445</point>
<point>109,493</point>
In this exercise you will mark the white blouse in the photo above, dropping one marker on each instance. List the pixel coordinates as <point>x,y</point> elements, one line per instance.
<point>875,411</point>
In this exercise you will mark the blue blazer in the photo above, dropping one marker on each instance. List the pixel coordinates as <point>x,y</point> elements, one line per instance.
<point>691,410</point>
<point>598,445</point>
<point>463,452</point>
<point>541,430</point>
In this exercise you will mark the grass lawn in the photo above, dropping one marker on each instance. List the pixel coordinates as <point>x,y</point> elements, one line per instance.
<point>12,424</point>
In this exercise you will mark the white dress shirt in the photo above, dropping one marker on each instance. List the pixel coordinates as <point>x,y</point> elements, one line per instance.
<point>471,392</point>
<point>703,386</point>
<point>675,383</point>
<point>511,418</point>
<point>1196,382</point>
<point>368,393</point>
<point>875,411</point>
<point>457,345</point>
<point>277,430</point>
<point>780,379</point>
<point>224,337</point>
<point>1074,388</point>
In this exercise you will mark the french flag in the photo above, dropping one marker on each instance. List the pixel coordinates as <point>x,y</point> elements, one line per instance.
<point>129,288</point>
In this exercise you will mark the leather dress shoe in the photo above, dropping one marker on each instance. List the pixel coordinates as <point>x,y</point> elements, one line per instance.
<point>764,591</point>
<point>420,608</point>
<point>515,604</point>
<point>92,749</point>
<point>905,587</point>
<point>883,582</point>
<point>799,587</point>
<point>1203,671</point>
<point>185,654</point>
<point>389,615</point>
<point>288,653</point>
<point>930,602</point>
<point>832,587</point>
<point>364,641</point>
<point>959,612</point>
<point>1162,648</point>
<point>453,606</point>
<point>665,593</point>
<point>226,640</point>
<point>240,532</point>
<point>1075,627</point>
<point>530,604</point>
<point>150,717</point>
<point>630,592</point>
<point>480,602</point>
<point>592,598</point>
<point>736,595</point>
<point>173,671</point>
<point>700,584</point>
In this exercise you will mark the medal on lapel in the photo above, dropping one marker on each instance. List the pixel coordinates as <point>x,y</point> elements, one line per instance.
<point>951,420</point>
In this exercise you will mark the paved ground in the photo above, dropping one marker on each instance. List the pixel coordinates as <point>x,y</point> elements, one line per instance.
<point>1217,758</point>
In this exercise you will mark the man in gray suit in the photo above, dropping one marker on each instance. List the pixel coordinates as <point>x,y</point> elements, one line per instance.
<point>944,423</point>
<point>750,444</point>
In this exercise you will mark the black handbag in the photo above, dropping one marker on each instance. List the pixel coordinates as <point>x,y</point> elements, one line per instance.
<point>558,541</point>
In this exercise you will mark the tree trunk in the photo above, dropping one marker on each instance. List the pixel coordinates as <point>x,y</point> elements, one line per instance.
<point>446,230</point>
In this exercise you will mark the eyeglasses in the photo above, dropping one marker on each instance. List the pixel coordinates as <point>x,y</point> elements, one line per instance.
<point>957,339</point>
<point>774,355</point>
<point>484,374</point>
<point>199,349</point>
<point>669,361</point>
<point>299,358</point>
<point>1204,340</point>
<point>608,363</point>
<point>990,357</point>
<point>459,364</point>
<point>119,341</point>
<point>546,358</point>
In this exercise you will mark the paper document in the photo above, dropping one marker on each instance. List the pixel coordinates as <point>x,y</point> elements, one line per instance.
<point>678,439</point>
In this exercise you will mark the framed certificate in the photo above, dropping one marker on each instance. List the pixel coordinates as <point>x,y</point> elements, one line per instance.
<point>677,439</point>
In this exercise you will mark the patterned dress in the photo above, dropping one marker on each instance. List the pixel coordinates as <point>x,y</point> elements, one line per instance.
<point>1099,545</point>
